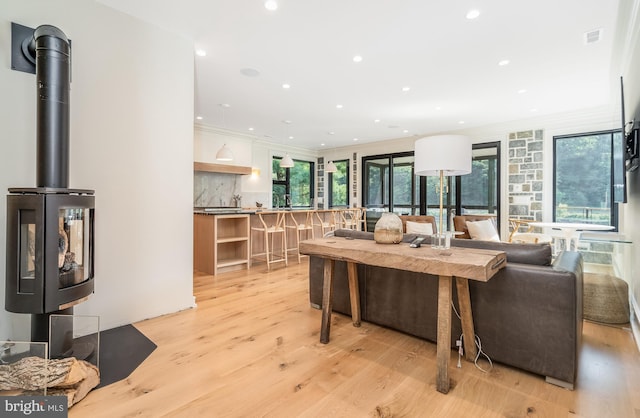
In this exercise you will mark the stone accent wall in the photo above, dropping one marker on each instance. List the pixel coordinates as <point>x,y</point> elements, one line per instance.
<point>320,183</point>
<point>354,179</point>
<point>526,175</point>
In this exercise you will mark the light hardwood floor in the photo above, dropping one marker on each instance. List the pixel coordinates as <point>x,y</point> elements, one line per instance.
<point>251,349</point>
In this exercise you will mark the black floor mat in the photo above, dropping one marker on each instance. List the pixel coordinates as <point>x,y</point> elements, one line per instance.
<point>122,350</point>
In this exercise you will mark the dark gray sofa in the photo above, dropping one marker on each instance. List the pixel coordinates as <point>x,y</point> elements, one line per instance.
<point>529,315</point>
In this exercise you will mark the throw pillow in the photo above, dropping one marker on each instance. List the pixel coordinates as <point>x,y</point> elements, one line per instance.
<point>423,228</point>
<point>483,230</point>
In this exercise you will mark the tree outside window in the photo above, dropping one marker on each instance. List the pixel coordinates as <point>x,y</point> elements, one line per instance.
<point>583,171</point>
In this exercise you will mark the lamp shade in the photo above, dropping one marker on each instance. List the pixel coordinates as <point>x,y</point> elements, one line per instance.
<point>286,162</point>
<point>331,167</point>
<point>224,154</point>
<point>449,154</point>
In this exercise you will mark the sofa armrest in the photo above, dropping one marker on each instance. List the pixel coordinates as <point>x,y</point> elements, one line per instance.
<point>544,301</point>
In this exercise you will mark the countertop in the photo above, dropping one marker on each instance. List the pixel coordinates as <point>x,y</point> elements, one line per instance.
<point>224,210</point>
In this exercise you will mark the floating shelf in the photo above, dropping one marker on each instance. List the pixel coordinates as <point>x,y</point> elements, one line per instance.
<point>221,168</point>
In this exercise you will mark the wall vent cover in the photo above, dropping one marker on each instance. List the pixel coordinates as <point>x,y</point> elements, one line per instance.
<point>592,36</point>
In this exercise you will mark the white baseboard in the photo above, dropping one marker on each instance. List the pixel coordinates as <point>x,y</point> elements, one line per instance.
<point>635,321</point>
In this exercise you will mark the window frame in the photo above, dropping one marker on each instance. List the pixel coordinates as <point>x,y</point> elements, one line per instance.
<point>348,183</point>
<point>287,181</point>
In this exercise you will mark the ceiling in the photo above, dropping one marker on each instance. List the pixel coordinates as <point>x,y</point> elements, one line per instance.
<point>450,64</point>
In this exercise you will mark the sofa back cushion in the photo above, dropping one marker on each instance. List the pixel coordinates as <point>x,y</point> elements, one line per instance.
<point>351,233</point>
<point>538,254</point>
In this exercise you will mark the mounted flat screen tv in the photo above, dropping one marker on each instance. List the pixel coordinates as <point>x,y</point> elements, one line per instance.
<point>631,153</point>
<point>630,134</point>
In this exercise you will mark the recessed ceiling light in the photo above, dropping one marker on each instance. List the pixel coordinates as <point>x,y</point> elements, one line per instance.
<point>461,122</point>
<point>251,129</point>
<point>406,131</point>
<point>286,86</point>
<point>406,88</point>
<point>339,106</point>
<point>357,58</point>
<point>199,117</point>
<point>322,145</point>
<point>438,108</point>
<point>534,110</point>
<point>472,14</point>
<point>271,5</point>
<point>291,137</point>
<point>376,121</point>
<point>201,52</point>
<point>250,72</point>
<point>521,91</point>
<point>502,63</point>
<point>355,139</point>
<point>331,133</point>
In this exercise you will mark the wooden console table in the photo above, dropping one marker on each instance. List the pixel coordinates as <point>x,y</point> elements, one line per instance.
<point>463,263</point>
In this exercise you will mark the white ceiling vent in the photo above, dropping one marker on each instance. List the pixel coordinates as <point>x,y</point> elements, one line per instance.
<point>592,36</point>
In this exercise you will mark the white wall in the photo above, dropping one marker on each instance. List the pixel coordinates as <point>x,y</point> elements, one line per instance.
<point>631,75</point>
<point>131,141</point>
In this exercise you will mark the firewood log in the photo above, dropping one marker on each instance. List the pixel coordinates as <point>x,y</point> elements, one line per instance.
<point>29,373</point>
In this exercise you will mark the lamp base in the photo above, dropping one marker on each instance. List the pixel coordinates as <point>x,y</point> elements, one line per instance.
<point>441,240</point>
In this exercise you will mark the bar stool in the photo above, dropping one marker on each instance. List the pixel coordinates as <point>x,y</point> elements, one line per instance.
<point>268,232</point>
<point>325,224</point>
<point>352,218</point>
<point>301,228</point>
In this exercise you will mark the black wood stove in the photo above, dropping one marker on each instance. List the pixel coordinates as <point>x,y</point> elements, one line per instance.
<point>50,228</point>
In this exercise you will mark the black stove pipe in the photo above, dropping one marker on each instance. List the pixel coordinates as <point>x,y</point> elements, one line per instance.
<point>53,78</point>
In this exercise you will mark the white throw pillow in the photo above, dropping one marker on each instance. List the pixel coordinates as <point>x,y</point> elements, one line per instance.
<point>423,228</point>
<point>483,230</point>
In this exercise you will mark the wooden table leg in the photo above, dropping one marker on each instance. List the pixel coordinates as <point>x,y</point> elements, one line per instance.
<point>444,333</point>
<point>327,296</point>
<point>466,317</point>
<point>354,293</point>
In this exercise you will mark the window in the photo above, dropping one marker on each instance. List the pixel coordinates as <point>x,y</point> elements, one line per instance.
<point>339,184</point>
<point>587,182</point>
<point>479,189</point>
<point>391,185</point>
<point>296,182</point>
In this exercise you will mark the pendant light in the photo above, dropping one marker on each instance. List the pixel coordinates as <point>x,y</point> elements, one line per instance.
<point>287,161</point>
<point>224,153</point>
<point>331,167</point>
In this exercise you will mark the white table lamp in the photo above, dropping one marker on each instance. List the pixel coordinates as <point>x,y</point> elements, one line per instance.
<point>442,155</point>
